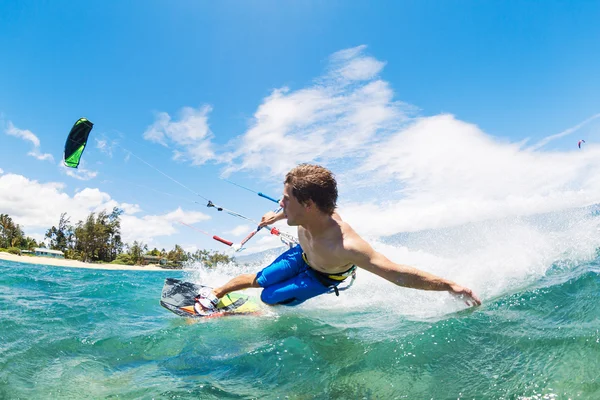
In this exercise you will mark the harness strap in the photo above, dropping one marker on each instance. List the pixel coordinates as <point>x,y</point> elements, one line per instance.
<point>326,279</point>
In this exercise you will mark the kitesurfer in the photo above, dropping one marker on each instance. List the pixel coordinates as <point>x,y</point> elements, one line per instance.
<point>328,253</point>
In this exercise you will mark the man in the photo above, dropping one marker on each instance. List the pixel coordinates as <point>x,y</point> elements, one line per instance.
<point>328,253</point>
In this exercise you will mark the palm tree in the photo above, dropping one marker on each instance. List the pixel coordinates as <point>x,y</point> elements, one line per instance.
<point>29,243</point>
<point>5,223</point>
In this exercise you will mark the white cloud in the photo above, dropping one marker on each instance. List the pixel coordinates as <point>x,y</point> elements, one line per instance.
<point>190,248</point>
<point>149,227</point>
<point>104,146</point>
<point>1,171</point>
<point>190,136</point>
<point>566,132</point>
<point>334,118</point>
<point>442,172</point>
<point>38,237</point>
<point>261,242</point>
<point>397,172</point>
<point>343,112</point>
<point>79,173</point>
<point>22,134</point>
<point>29,136</point>
<point>41,156</point>
<point>37,206</point>
<point>130,208</point>
<point>432,171</point>
<point>240,230</point>
<point>352,65</point>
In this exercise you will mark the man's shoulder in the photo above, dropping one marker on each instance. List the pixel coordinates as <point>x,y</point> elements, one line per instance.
<point>351,241</point>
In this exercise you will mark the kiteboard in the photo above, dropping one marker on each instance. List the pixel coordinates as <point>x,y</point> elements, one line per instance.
<point>179,297</point>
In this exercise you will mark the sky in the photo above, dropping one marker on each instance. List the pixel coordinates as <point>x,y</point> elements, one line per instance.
<point>431,114</point>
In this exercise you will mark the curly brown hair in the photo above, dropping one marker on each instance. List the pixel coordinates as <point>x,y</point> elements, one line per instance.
<point>316,183</point>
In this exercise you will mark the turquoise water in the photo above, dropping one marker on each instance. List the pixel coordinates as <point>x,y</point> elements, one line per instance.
<point>78,333</point>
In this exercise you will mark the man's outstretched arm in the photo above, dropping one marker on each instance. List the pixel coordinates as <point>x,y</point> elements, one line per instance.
<point>364,256</point>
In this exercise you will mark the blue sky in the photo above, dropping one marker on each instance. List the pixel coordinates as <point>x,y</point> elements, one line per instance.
<point>248,89</point>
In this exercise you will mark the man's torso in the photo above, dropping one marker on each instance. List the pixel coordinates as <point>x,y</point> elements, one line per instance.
<point>325,253</point>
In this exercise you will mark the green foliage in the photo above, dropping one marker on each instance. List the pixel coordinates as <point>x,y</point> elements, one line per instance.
<point>11,234</point>
<point>136,252</point>
<point>14,250</point>
<point>177,255</point>
<point>123,259</point>
<point>210,259</point>
<point>155,252</point>
<point>61,238</point>
<point>28,243</point>
<point>98,239</point>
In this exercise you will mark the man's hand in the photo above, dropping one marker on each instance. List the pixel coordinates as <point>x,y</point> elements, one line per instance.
<point>270,218</point>
<point>464,294</point>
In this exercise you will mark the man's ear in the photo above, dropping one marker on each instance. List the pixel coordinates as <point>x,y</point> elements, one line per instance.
<point>309,204</point>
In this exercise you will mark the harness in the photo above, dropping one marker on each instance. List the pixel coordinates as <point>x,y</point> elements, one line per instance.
<point>326,278</point>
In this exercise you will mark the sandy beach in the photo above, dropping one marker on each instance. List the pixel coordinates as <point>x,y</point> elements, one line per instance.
<point>60,262</point>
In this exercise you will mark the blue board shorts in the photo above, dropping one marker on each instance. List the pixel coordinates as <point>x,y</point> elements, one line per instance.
<point>289,280</point>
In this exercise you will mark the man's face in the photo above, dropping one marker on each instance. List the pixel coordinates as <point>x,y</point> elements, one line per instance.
<point>292,208</point>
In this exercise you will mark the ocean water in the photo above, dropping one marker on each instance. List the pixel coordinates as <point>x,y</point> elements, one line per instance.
<point>79,333</point>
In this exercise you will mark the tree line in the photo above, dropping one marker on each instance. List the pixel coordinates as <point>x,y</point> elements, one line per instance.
<point>12,236</point>
<point>98,239</point>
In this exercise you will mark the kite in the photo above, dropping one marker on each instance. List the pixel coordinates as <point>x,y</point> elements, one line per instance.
<point>580,142</point>
<point>76,142</point>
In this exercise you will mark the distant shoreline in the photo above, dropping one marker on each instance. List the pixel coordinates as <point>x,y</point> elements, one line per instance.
<point>61,262</point>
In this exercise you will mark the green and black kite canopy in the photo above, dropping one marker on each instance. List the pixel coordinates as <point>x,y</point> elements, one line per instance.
<point>76,142</point>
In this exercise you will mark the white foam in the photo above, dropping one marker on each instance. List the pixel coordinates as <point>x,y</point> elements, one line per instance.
<point>493,258</point>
